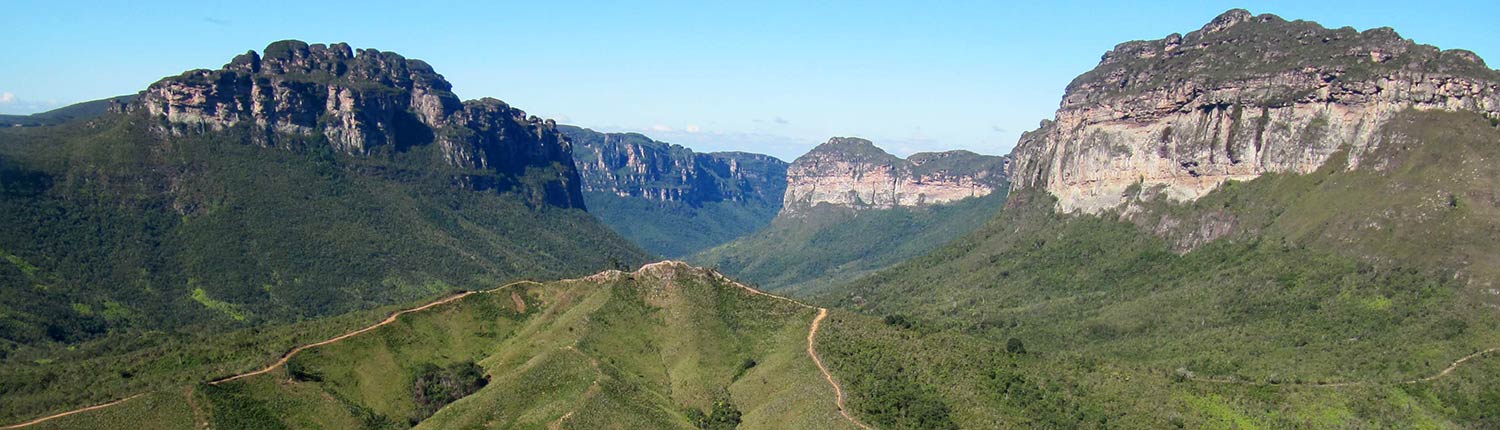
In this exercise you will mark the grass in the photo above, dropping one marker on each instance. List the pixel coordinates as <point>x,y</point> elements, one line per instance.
<point>636,351</point>
<point>825,246</point>
<point>1371,275</point>
<point>209,232</point>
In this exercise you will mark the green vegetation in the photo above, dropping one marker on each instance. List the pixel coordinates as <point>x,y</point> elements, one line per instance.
<point>107,215</point>
<point>675,229</point>
<point>827,245</point>
<point>1370,276</point>
<point>436,387</point>
<point>670,200</point>
<point>78,111</point>
<point>136,263</point>
<point>669,347</point>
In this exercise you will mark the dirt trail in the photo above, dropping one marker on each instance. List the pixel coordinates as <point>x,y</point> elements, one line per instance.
<point>284,357</point>
<point>1429,378</point>
<point>75,411</point>
<point>294,351</point>
<point>812,351</point>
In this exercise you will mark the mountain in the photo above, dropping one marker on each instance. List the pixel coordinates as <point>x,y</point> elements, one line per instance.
<point>1239,98</point>
<point>668,346</point>
<point>301,182</point>
<point>851,208</point>
<point>852,172</point>
<point>1260,224</point>
<point>670,200</point>
<point>85,110</point>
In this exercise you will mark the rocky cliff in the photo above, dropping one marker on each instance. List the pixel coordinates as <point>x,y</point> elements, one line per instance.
<point>670,200</point>
<point>368,103</point>
<point>633,165</point>
<point>853,172</point>
<point>1243,96</point>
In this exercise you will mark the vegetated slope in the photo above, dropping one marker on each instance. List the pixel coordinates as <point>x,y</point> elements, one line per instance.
<point>852,208</point>
<point>670,200</point>
<point>1285,298</point>
<point>828,245</point>
<point>238,196</point>
<point>85,110</point>
<point>668,346</point>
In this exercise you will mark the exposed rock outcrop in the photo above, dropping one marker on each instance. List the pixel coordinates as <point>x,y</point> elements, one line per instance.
<point>633,165</point>
<point>368,103</point>
<point>1243,96</point>
<point>852,172</point>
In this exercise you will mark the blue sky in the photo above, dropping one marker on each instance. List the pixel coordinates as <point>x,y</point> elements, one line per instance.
<point>764,76</point>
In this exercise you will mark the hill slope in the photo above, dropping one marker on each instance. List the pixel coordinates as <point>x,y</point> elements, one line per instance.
<point>670,200</point>
<point>85,110</point>
<point>851,208</point>
<point>668,346</point>
<point>1240,288</point>
<point>239,196</point>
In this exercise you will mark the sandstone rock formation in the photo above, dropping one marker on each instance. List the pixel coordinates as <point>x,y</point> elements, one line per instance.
<point>852,172</point>
<point>1243,96</point>
<point>368,103</point>
<point>633,165</point>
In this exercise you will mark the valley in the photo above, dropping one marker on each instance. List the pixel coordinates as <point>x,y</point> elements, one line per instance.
<point>1261,223</point>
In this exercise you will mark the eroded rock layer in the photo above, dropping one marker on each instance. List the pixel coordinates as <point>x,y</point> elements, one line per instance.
<point>368,103</point>
<point>1243,96</point>
<point>852,172</point>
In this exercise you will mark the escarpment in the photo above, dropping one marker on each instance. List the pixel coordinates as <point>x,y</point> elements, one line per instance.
<point>633,165</point>
<point>1243,96</point>
<point>853,172</point>
<point>368,103</point>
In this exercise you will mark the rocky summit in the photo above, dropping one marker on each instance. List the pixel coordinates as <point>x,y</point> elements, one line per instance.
<point>1243,96</point>
<point>853,172</point>
<point>366,102</point>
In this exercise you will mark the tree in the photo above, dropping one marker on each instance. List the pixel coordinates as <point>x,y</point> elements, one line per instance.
<point>1014,346</point>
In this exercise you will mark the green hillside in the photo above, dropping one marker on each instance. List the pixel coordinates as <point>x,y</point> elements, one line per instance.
<point>1314,284</point>
<point>666,347</point>
<point>78,111</point>
<point>827,245</point>
<point>110,228</point>
<point>670,200</point>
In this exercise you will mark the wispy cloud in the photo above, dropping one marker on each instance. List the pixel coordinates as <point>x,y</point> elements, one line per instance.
<point>659,127</point>
<point>217,21</point>
<point>780,120</point>
<point>7,98</point>
<point>999,129</point>
<point>692,128</point>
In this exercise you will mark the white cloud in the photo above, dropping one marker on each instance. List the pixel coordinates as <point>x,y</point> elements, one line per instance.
<point>659,127</point>
<point>7,98</point>
<point>693,128</point>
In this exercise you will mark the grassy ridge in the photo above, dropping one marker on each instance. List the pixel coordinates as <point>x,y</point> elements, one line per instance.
<point>642,350</point>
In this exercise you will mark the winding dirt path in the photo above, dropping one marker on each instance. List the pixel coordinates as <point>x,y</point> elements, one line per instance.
<point>812,351</point>
<point>1429,378</point>
<point>294,351</point>
<point>75,411</point>
<point>285,357</point>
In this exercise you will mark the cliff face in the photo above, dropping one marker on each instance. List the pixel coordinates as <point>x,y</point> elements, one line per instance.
<point>1243,96</point>
<point>852,172</point>
<point>368,103</point>
<point>633,165</point>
